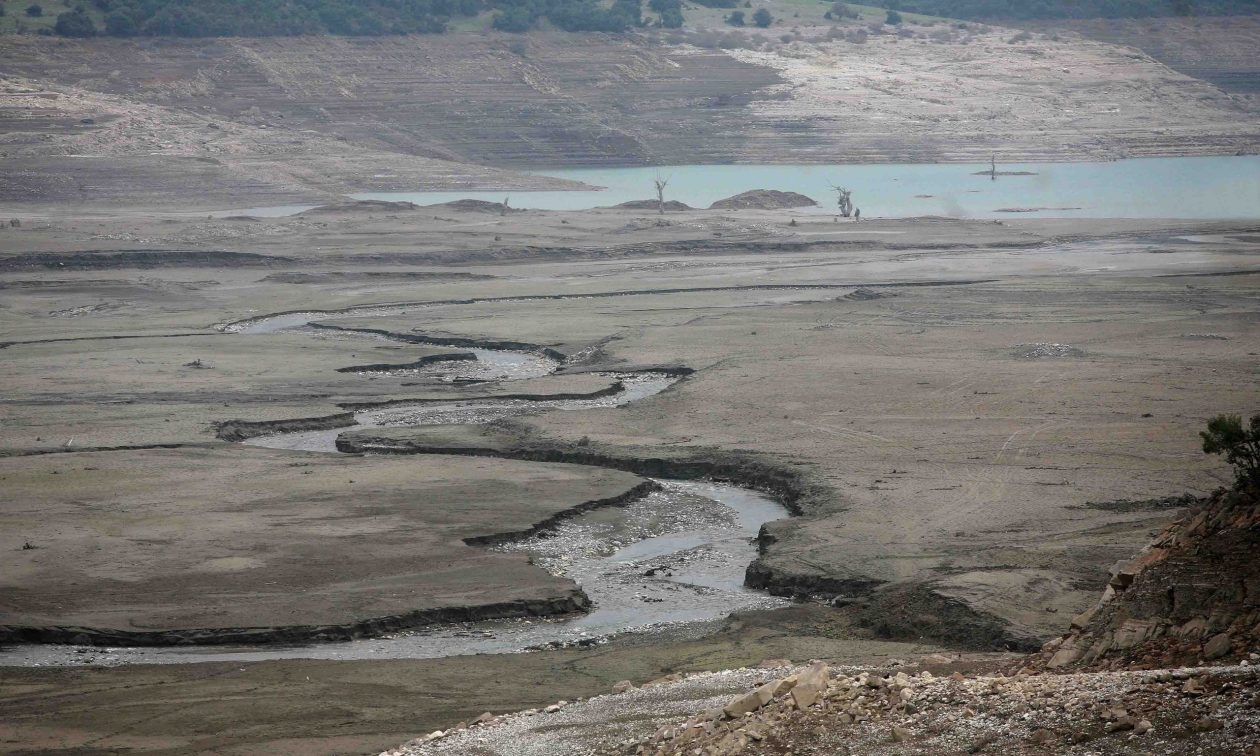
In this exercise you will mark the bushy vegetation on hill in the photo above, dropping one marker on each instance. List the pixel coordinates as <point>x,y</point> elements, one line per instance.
<point>1032,9</point>
<point>273,18</point>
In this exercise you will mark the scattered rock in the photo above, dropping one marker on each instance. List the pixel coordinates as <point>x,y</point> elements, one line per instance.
<point>1219,645</point>
<point>810,685</point>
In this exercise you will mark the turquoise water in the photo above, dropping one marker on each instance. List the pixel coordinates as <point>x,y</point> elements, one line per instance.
<point>1192,187</point>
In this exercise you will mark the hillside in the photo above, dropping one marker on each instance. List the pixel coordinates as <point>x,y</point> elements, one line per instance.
<point>1034,9</point>
<point>245,122</point>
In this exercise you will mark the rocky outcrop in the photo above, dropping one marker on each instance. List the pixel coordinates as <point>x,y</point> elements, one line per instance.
<point>763,199</point>
<point>1192,595</point>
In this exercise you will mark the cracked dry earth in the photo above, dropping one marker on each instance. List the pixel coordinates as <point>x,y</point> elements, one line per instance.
<point>819,710</point>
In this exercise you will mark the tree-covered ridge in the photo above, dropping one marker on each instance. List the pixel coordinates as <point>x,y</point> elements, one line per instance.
<point>269,18</point>
<point>1034,9</point>
<point>275,18</point>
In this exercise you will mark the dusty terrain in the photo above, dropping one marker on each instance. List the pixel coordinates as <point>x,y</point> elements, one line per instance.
<point>926,706</point>
<point>949,405</point>
<point>1184,611</point>
<point>245,123</point>
<point>151,543</point>
<point>306,707</point>
<point>969,421</point>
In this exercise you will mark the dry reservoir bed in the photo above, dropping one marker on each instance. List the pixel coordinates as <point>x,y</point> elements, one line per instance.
<point>955,442</point>
<point>168,540</point>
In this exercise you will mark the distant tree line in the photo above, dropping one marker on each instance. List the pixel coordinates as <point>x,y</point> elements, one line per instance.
<point>272,18</point>
<point>1035,9</point>
<point>282,18</point>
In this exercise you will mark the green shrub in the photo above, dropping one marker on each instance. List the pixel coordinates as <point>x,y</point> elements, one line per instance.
<point>120,23</point>
<point>1240,445</point>
<point>75,23</point>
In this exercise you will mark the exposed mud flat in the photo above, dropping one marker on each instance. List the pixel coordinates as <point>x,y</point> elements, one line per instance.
<point>368,546</point>
<point>931,468</point>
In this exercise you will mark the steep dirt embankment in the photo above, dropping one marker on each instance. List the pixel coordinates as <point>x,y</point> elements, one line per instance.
<point>240,430</point>
<point>1193,595</point>
<point>574,601</point>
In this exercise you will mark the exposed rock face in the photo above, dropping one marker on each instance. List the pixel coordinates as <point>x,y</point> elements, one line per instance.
<point>1193,595</point>
<point>763,199</point>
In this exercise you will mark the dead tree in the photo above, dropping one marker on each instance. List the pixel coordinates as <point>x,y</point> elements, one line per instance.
<point>844,200</point>
<point>504,210</point>
<point>660,183</point>
<point>993,167</point>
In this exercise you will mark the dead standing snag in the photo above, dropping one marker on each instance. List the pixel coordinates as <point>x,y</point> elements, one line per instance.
<point>844,200</point>
<point>660,184</point>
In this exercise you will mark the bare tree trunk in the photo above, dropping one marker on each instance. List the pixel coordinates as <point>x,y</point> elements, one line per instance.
<point>660,193</point>
<point>844,200</point>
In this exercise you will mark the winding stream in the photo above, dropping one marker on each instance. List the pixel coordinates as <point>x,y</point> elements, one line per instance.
<point>673,557</point>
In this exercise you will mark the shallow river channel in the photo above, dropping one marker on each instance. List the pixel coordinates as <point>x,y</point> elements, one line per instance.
<point>674,557</point>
